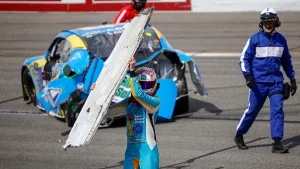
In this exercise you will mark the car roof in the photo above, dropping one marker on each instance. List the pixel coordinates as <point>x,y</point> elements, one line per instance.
<point>90,30</point>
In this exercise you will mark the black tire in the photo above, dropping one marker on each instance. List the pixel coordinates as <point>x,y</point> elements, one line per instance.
<point>29,86</point>
<point>182,104</point>
<point>69,120</point>
<point>69,115</point>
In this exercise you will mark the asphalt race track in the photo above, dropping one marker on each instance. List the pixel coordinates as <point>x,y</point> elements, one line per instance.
<point>199,139</point>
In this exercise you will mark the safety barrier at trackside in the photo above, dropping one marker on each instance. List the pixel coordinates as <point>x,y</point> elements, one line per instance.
<point>160,5</point>
<point>88,5</point>
<point>244,5</point>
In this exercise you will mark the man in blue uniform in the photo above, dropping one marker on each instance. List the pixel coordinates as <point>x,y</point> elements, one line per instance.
<point>141,113</point>
<point>265,52</point>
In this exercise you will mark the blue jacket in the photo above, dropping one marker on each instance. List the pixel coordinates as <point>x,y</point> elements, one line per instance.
<point>263,55</point>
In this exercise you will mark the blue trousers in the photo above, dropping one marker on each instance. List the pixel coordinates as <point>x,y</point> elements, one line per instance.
<point>140,156</point>
<point>257,98</point>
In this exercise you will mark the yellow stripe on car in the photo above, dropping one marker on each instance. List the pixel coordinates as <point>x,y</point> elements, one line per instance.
<point>76,42</point>
<point>40,62</point>
<point>158,33</point>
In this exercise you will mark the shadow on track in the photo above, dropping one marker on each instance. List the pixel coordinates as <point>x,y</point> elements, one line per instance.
<point>196,105</point>
<point>13,99</point>
<point>66,133</point>
<point>292,142</point>
<point>188,162</point>
<point>121,163</point>
<point>289,142</point>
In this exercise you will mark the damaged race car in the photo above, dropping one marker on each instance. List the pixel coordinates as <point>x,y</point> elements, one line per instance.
<point>59,81</point>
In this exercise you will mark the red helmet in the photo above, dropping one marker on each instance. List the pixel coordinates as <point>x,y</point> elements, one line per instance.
<point>139,4</point>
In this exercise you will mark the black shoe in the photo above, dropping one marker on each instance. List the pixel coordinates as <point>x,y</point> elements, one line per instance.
<point>279,148</point>
<point>239,140</point>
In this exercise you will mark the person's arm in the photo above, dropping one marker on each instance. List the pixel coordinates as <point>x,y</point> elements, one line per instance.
<point>150,103</point>
<point>121,17</point>
<point>116,105</point>
<point>286,63</point>
<point>246,59</point>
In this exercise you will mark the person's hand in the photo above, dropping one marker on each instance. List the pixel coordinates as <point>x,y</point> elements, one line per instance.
<point>250,81</point>
<point>132,62</point>
<point>93,86</point>
<point>293,87</point>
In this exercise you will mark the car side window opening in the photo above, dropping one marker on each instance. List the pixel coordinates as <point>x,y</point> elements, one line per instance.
<point>58,48</point>
<point>59,54</point>
<point>66,52</point>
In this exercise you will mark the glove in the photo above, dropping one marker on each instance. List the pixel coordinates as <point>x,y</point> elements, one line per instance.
<point>293,87</point>
<point>250,81</point>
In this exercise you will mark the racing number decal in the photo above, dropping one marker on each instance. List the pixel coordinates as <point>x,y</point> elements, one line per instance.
<point>54,93</point>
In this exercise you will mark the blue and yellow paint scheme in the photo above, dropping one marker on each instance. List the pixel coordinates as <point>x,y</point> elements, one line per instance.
<point>75,76</point>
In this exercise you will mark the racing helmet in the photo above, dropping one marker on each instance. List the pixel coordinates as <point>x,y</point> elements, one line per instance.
<point>138,4</point>
<point>269,20</point>
<point>147,79</point>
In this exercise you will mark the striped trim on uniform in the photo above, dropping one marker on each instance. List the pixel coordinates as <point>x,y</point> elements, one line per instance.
<point>243,56</point>
<point>245,112</point>
<point>270,51</point>
<point>150,131</point>
<point>121,16</point>
<point>135,96</point>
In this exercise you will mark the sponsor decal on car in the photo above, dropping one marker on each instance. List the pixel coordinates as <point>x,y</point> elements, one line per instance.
<point>123,92</point>
<point>51,95</point>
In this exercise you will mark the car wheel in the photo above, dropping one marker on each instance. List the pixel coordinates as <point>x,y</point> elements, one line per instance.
<point>182,104</point>
<point>29,86</point>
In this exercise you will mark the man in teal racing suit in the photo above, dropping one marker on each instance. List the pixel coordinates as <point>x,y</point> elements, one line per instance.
<point>141,113</point>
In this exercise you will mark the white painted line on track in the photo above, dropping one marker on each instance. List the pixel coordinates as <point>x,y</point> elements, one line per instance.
<point>214,54</point>
<point>22,112</point>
